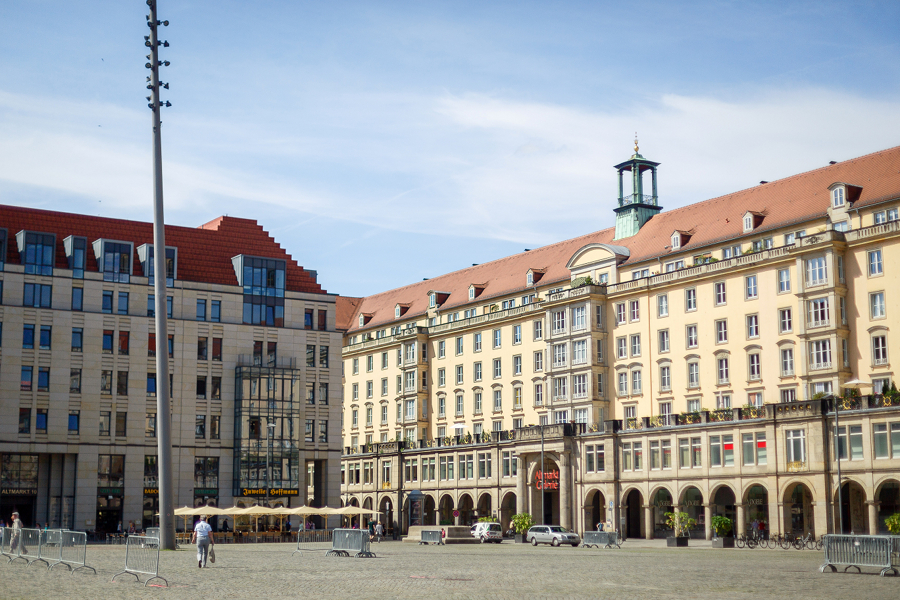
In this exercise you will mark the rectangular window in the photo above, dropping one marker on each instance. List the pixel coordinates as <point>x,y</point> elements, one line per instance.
<point>875,264</point>
<point>690,299</point>
<point>621,347</point>
<point>696,456</point>
<point>754,367</point>
<point>538,361</point>
<point>39,295</point>
<point>787,362</point>
<point>636,345</point>
<point>122,383</point>
<point>819,313</point>
<point>538,330</point>
<point>620,313</point>
<point>665,378</point>
<point>855,442</point>
<point>201,309</point>
<point>820,354</point>
<point>662,304</point>
<point>663,335</point>
<point>74,381</point>
<point>693,375</point>
<point>796,445</point>
<point>517,368</point>
<point>721,298</point>
<point>752,290</point>
<point>636,382</point>
<point>723,370</point>
<point>752,326</point>
<point>880,440</point>
<point>816,271</point>
<point>498,338</point>
<point>476,342</point>
<point>77,298</point>
<point>538,394</point>
<point>106,382</point>
<point>107,305</point>
<point>721,331</point>
<point>215,313</point>
<point>635,310</point>
<point>74,422</point>
<point>28,336</point>
<point>785,320</point>
<point>784,281</point>
<point>684,453</point>
<point>623,384</point>
<point>692,339</point>
<point>122,307</point>
<point>579,318</point>
<point>24,420</point>
<point>105,423</point>
<point>876,305</point>
<point>45,339</point>
<point>498,371</point>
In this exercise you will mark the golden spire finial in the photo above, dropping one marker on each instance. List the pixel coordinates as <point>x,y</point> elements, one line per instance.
<point>635,143</point>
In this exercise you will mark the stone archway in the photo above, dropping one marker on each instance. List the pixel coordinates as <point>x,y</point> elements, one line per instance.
<point>723,505</point>
<point>853,509</point>
<point>387,508</point>
<point>594,510</point>
<point>661,503</point>
<point>634,512</point>
<point>692,504</point>
<point>798,509</point>
<point>544,484</point>
<point>431,517</point>
<point>445,512</point>
<point>485,506</point>
<point>466,510</point>
<point>756,514</point>
<point>888,497</point>
<point>507,510</point>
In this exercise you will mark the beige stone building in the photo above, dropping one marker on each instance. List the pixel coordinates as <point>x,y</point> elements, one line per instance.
<point>680,360</point>
<point>254,362</point>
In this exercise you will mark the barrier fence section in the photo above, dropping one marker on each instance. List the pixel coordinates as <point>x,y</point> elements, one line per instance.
<point>860,551</point>
<point>344,541</point>
<point>71,551</point>
<point>27,543</point>
<point>6,544</point>
<point>309,539</point>
<point>141,558</point>
<point>432,536</point>
<point>607,539</point>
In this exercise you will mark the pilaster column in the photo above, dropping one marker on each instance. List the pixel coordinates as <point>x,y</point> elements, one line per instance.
<point>707,526</point>
<point>565,491</point>
<point>521,472</point>
<point>648,522</point>
<point>740,527</point>
<point>873,517</point>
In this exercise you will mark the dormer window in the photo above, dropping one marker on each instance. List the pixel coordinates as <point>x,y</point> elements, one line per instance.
<point>38,251</point>
<point>362,320</point>
<point>676,241</point>
<point>76,252</point>
<point>471,292</point>
<point>114,259</point>
<point>837,197</point>
<point>529,278</point>
<point>432,300</point>
<point>753,219</point>
<point>475,290</point>
<point>533,276</point>
<point>397,312</point>
<point>436,298</point>
<point>148,263</point>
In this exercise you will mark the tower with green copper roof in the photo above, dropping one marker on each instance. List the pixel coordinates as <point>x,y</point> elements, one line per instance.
<point>638,208</point>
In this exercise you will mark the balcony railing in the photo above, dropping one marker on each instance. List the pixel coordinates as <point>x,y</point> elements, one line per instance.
<point>818,366</point>
<point>818,323</point>
<point>880,362</point>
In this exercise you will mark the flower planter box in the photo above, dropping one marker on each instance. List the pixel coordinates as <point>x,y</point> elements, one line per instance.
<point>723,542</point>
<point>520,538</point>
<point>677,542</point>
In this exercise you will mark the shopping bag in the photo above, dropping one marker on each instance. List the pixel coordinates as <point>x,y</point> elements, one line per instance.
<point>212,555</point>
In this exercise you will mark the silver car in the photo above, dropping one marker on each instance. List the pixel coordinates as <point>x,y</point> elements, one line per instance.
<point>551,534</point>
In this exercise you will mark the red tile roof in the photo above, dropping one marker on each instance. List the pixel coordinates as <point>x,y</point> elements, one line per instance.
<point>345,310</point>
<point>204,253</point>
<point>796,199</point>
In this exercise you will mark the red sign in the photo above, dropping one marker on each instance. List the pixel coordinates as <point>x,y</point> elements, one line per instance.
<point>455,513</point>
<point>546,480</point>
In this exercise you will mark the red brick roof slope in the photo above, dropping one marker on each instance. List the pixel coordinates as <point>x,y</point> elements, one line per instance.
<point>204,253</point>
<point>345,309</point>
<point>795,199</point>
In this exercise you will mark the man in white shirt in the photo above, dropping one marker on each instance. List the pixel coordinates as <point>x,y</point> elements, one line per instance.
<point>204,537</point>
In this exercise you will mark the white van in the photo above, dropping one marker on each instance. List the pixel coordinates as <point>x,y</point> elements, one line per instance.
<point>488,532</point>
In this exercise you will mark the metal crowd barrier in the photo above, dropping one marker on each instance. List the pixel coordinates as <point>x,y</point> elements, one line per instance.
<point>5,541</point>
<point>432,536</point>
<point>857,551</point>
<point>142,558</point>
<point>26,544</point>
<point>70,551</point>
<point>607,539</point>
<point>306,538</point>
<point>344,541</point>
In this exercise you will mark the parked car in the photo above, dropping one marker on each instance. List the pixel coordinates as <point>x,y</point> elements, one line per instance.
<point>551,534</point>
<point>488,532</point>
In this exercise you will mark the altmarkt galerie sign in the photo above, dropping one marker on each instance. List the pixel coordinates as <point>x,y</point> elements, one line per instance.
<point>274,492</point>
<point>546,480</point>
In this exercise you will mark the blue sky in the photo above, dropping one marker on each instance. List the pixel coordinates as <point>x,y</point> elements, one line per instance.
<point>384,142</point>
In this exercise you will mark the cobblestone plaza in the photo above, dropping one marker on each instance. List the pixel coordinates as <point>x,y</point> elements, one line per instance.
<point>641,569</point>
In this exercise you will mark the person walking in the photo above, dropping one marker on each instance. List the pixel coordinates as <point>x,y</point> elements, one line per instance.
<point>379,531</point>
<point>203,537</point>
<point>16,539</point>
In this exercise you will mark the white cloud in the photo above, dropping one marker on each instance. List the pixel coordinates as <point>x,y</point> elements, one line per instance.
<point>470,165</point>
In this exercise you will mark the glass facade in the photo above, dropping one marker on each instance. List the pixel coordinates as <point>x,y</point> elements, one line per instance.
<point>268,403</point>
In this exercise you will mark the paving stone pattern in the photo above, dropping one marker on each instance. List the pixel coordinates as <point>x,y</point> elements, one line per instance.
<point>639,570</point>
